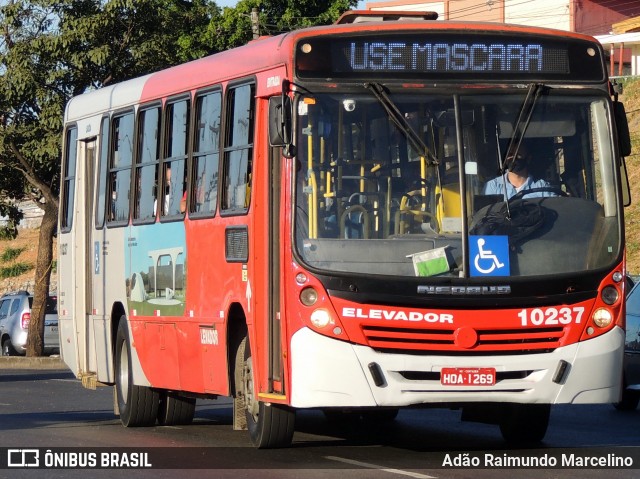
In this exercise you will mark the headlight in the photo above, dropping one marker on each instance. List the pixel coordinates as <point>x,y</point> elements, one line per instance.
<point>602,317</point>
<point>320,318</point>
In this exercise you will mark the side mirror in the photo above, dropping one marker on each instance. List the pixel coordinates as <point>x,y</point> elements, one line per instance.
<point>622,126</point>
<point>280,124</point>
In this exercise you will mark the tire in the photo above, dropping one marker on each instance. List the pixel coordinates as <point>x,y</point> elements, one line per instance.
<point>629,400</point>
<point>524,423</point>
<point>8,349</point>
<point>270,425</point>
<point>138,405</point>
<point>175,410</point>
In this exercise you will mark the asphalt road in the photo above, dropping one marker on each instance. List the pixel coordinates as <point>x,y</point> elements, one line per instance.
<point>48,410</point>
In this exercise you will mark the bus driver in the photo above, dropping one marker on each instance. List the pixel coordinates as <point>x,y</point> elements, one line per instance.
<point>517,178</point>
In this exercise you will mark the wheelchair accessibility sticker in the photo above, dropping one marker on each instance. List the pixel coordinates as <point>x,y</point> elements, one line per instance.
<point>489,255</point>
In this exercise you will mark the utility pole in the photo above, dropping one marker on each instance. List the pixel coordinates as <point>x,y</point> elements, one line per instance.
<point>255,27</point>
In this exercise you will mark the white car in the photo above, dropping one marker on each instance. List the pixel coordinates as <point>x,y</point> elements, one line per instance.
<point>15,315</point>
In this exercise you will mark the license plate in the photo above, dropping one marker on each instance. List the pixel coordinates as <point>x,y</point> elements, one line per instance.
<point>468,376</point>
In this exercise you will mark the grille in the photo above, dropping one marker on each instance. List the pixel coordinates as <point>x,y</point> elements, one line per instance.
<point>434,340</point>
<point>237,244</point>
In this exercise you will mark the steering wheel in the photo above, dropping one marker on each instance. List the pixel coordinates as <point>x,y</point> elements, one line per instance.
<point>550,189</point>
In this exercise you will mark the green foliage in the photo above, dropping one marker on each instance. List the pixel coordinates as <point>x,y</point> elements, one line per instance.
<point>52,51</point>
<point>10,254</point>
<point>14,270</point>
<point>232,27</point>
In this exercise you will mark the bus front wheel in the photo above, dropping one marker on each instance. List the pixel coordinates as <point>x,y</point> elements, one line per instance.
<point>138,405</point>
<point>524,423</point>
<point>270,425</point>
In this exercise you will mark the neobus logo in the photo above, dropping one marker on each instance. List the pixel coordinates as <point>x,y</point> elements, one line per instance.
<point>464,290</point>
<point>393,315</point>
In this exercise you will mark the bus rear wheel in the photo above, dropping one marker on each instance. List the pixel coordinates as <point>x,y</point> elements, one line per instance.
<point>524,423</point>
<point>138,405</point>
<point>175,410</point>
<point>270,425</point>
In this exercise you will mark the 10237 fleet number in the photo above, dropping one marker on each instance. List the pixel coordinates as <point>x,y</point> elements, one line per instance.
<point>551,316</point>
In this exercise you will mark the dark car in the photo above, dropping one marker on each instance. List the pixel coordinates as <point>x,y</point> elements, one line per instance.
<point>631,391</point>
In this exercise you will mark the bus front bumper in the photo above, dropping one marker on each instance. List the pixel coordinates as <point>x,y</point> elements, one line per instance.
<point>329,373</point>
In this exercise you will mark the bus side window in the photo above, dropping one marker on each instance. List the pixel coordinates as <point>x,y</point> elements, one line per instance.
<point>176,149</point>
<point>103,161</point>
<point>147,164</point>
<point>238,149</point>
<point>206,144</point>
<point>68,186</point>
<point>120,168</point>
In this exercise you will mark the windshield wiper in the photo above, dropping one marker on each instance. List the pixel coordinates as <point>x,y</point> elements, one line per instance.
<point>520,126</point>
<point>519,129</point>
<point>401,122</point>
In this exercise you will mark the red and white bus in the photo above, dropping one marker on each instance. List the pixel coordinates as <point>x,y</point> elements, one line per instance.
<point>359,218</point>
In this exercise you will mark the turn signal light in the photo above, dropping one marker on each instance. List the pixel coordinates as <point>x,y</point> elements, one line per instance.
<point>308,296</point>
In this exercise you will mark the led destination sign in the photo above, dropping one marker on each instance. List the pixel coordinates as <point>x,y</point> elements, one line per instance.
<point>450,55</point>
<point>453,57</point>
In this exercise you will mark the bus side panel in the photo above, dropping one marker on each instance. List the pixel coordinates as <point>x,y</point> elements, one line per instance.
<point>154,280</point>
<point>214,285</point>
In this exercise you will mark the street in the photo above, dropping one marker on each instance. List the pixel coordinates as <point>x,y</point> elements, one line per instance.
<point>49,410</point>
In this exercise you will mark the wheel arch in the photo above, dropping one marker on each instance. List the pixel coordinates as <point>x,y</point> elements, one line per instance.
<point>236,330</point>
<point>118,311</point>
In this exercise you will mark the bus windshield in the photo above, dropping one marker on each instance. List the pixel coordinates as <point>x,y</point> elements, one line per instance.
<point>459,185</point>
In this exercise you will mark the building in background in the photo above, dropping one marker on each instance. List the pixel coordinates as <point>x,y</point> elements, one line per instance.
<point>592,17</point>
<point>623,44</point>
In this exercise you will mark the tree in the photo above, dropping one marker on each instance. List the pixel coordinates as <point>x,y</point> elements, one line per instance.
<point>53,50</point>
<point>232,27</point>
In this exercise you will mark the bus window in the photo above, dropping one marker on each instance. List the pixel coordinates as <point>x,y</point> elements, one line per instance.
<point>205,153</point>
<point>120,168</point>
<point>238,151</point>
<point>102,172</point>
<point>175,173</point>
<point>68,192</point>
<point>147,164</point>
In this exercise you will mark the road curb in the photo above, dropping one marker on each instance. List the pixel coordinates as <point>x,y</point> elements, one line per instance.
<point>23,362</point>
